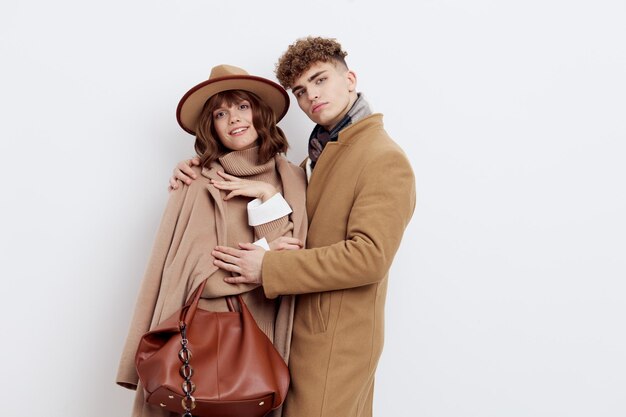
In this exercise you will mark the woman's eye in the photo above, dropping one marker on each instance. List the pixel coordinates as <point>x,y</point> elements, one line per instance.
<point>218,115</point>
<point>244,106</point>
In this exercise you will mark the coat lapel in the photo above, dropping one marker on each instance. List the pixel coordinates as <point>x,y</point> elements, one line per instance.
<point>321,174</point>
<point>292,194</point>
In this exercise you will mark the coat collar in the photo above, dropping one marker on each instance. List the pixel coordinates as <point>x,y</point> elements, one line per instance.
<point>291,193</point>
<point>211,171</point>
<point>353,132</point>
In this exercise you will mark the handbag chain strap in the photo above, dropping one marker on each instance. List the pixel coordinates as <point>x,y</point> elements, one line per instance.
<point>186,371</point>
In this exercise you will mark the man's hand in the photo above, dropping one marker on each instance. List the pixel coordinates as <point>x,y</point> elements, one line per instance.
<point>246,188</point>
<point>183,172</point>
<point>246,262</point>
<point>286,243</point>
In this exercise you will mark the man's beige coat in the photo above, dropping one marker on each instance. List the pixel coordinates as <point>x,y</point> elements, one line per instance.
<point>360,199</point>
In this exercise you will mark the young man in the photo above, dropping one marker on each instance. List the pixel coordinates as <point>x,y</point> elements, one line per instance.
<point>360,198</point>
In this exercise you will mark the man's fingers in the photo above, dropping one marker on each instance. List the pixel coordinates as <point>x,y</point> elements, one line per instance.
<point>174,184</point>
<point>225,258</point>
<point>226,266</point>
<point>186,169</point>
<point>219,250</point>
<point>238,280</point>
<point>183,173</point>
<point>181,176</point>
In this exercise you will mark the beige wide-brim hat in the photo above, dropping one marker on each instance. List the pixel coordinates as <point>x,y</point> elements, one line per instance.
<point>224,78</point>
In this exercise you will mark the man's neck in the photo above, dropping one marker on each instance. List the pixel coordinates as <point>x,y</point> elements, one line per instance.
<point>353,99</point>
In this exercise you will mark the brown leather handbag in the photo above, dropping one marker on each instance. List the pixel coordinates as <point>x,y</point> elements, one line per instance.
<point>217,364</point>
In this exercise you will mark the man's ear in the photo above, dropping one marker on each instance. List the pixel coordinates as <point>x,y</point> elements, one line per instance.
<point>351,78</point>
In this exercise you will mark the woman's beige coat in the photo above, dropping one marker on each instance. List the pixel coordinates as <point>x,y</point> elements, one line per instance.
<point>192,225</point>
<point>360,199</point>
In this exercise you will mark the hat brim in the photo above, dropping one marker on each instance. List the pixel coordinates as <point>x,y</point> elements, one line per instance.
<point>192,103</point>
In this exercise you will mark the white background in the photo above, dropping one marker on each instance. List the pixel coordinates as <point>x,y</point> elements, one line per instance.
<point>507,297</point>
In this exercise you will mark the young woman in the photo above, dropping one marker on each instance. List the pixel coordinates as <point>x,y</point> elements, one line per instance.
<point>245,192</point>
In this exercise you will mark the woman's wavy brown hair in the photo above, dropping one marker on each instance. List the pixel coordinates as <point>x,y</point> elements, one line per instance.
<point>271,138</point>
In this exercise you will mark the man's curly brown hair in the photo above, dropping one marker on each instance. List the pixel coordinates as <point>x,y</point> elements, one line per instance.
<point>305,52</point>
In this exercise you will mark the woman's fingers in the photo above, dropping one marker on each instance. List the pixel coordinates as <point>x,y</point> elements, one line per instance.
<point>227,176</point>
<point>233,194</point>
<point>225,185</point>
<point>286,243</point>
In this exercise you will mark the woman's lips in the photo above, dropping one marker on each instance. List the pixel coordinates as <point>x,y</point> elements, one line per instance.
<point>238,131</point>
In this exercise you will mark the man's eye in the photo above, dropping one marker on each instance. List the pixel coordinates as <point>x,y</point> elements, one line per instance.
<point>320,80</point>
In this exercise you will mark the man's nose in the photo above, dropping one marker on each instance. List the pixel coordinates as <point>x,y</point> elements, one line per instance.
<point>313,94</point>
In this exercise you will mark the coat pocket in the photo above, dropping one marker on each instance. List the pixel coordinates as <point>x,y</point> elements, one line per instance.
<point>320,311</point>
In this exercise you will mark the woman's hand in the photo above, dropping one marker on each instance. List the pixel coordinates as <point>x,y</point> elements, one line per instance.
<point>286,243</point>
<point>246,188</point>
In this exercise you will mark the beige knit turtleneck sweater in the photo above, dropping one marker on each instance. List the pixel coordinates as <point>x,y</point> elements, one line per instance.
<point>245,164</point>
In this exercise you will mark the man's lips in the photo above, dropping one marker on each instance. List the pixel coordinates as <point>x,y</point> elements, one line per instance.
<point>317,107</point>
